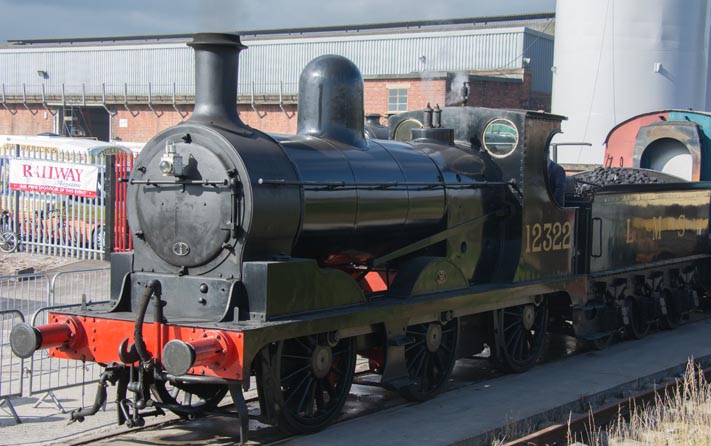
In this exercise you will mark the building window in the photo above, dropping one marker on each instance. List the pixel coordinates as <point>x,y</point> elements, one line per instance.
<point>397,100</point>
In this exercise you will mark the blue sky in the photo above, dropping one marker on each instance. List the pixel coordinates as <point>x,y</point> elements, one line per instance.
<point>33,19</point>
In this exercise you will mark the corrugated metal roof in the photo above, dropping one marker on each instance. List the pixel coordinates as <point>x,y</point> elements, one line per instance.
<point>271,64</point>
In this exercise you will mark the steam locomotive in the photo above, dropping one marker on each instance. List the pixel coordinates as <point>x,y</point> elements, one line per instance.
<point>282,257</point>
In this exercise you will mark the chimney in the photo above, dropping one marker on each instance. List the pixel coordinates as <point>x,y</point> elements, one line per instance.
<point>216,63</point>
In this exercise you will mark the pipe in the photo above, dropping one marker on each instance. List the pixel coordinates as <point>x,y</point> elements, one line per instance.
<point>24,100</point>
<point>150,101</point>
<point>125,100</point>
<point>44,103</point>
<point>103,100</point>
<point>99,400</point>
<point>175,105</point>
<point>281,100</point>
<point>252,104</point>
<point>4,102</point>
<point>153,287</point>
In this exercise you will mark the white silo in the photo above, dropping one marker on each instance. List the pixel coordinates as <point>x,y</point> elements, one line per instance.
<point>615,59</point>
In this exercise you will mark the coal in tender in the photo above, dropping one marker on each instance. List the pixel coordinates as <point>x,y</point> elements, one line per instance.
<point>586,183</point>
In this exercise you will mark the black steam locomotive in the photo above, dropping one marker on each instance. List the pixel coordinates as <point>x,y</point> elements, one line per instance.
<point>284,257</point>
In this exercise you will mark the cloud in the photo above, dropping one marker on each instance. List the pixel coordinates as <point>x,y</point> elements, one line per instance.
<point>30,19</point>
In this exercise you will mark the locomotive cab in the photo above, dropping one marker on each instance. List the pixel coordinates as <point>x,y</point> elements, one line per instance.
<point>540,234</point>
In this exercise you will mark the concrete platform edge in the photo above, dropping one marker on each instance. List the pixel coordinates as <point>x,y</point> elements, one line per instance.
<point>583,405</point>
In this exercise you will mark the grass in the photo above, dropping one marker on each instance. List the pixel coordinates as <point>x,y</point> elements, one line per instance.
<point>680,416</point>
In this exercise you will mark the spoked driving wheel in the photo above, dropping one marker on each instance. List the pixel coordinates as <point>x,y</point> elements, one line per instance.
<point>313,378</point>
<point>430,358</point>
<point>520,335</point>
<point>188,401</point>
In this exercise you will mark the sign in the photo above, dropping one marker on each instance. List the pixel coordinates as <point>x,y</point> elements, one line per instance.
<point>52,177</point>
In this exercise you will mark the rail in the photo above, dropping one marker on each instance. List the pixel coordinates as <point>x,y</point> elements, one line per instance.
<point>603,415</point>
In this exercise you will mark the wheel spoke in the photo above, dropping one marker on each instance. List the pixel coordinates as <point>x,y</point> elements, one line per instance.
<point>296,372</point>
<point>311,399</point>
<point>518,348</point>
<point>295,390</point>
<point>417,362</point>
<point>415,345</point>
<point>513,339</point>
<point>304,394</point>
<point>512,324</point>
<point>307,358</point>
<point>437,361</point>
<point>445,347</point>
<point>427,371</point>
<point>309,349</point>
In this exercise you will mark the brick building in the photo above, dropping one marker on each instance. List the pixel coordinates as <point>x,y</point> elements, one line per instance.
<point>132,88</point>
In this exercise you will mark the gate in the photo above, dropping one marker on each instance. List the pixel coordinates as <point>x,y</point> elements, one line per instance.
<point>11,367</point>
<point>53,211</point>
<point>122,237</point>
<point>29,298</point>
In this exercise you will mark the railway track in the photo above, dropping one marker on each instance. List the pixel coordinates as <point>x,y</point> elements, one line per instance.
<point>368,398</point>
<point>579,426</point>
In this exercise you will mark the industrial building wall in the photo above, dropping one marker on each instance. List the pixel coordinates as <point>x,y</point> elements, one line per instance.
<point>148,87</point>
<point>23,121</point>
<point>139,122</point>
<point>270,66</point>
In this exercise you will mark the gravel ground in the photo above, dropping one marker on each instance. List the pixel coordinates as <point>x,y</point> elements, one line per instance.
<point>12,262</point>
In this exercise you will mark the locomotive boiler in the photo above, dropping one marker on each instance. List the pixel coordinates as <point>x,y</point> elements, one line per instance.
<point>284,256</point>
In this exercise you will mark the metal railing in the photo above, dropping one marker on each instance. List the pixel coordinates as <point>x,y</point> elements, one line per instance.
<point>48,374</point>
<point>11,367</point>
<point>25,292</point>
<point>53,223</point>
<point>58,93</point>
<point>31,297</point>
<point>67,287</point>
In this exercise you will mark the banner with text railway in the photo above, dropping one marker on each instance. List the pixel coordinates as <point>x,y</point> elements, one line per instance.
<point>52,177</point>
